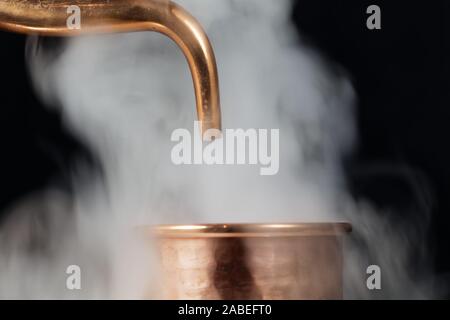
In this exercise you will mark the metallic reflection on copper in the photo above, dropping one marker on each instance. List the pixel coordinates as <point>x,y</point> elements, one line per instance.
<point>49,18</point>
<point>249,261</point>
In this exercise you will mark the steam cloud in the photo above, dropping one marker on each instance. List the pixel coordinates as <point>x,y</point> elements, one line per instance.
<point>124,94</point>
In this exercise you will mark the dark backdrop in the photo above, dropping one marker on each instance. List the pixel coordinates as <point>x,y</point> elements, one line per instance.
<point>401,76</point>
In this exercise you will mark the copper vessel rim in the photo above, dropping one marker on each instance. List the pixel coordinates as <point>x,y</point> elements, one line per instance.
<point>250,229</point>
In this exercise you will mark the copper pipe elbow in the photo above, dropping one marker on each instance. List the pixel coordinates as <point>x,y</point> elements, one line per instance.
<point>49,18</point>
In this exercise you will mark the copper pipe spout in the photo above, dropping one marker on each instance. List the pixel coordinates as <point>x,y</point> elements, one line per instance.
<point>49,18</point>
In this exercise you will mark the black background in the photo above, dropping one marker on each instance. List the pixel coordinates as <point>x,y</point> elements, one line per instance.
<point>279,309</point>
<point>401,76</point>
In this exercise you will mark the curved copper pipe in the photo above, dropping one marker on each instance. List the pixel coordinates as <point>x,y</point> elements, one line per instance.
<point>50,17</point>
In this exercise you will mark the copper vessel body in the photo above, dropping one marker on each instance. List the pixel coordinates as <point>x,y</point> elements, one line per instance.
<point>248,261</point>
<point>50,18</point>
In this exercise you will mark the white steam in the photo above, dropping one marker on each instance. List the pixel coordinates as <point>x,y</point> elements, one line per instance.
<point>124,94</point>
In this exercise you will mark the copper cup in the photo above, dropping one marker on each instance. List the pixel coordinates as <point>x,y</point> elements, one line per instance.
<point>251,261</point>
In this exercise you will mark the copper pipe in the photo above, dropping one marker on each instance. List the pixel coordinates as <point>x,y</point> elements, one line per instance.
<point>49,18</point>
<point>250,261</point>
